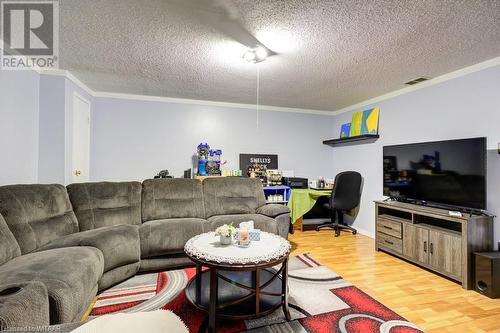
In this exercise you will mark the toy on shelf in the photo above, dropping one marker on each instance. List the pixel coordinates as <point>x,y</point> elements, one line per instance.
<point>203,149</point>
<point>214,162</point>
<point>209,160</point>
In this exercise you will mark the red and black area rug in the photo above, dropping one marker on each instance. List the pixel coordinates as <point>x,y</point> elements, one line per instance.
<point>320,301</point>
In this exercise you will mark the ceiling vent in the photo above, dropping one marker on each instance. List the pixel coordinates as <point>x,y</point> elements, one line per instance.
<point>417,80</point>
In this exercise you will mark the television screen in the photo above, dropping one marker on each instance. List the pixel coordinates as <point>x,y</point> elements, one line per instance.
<point>451,173</point>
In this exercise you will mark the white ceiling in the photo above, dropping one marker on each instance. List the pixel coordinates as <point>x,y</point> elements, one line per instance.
<point>330,54</point>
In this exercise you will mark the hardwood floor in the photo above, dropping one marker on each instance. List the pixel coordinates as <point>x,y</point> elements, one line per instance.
<point>432,302</point>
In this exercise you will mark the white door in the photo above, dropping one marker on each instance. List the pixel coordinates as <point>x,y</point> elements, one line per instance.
<point>81,140</point>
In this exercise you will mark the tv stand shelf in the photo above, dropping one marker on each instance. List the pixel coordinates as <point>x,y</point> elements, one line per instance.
<point>431,238</point>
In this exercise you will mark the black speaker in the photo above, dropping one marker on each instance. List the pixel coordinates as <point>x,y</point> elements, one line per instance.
<point>487,273</point>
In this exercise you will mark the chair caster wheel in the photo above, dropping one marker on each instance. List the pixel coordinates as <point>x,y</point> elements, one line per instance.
<point>337,234</point>
<point>354,232</point>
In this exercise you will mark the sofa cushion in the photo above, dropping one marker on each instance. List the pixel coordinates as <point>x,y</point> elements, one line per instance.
<point>37,214</point>
<point>118,244</point>
<point>171,198</point>
<point>9,249</point>
<point>159,237</point>
<point>106,204</point>
<point>261,222</point>
<point>70,275</point>
<point>232,195</point>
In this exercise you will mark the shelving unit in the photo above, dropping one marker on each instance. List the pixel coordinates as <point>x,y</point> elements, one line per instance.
<point>431,238</point>
<point>281,189</point>
<point>365,138</point>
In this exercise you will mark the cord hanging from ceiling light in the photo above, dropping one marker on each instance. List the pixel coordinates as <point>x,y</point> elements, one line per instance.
<point>256,55</point>
<point>258,96</point>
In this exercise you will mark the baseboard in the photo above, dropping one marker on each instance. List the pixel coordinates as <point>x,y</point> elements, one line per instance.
<point>364,232</point>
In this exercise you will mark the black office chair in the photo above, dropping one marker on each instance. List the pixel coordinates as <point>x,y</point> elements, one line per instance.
<point>346,195</point>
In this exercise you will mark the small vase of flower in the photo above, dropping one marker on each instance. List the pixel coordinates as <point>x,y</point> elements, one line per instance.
<point>225,232</point>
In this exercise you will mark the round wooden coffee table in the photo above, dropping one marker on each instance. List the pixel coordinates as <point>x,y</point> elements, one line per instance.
<point>239,283</point>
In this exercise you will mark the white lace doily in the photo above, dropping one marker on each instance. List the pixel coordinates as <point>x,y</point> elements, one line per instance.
<point>207,247</point>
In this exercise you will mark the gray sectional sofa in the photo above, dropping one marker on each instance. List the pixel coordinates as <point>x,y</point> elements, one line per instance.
<point>60,245</point>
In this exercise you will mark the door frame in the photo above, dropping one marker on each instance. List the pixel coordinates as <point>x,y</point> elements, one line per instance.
<point>89,103</point>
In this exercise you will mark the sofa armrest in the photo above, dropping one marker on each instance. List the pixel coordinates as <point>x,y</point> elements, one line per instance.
<point>273,210</point>
<point>284,225</point>
<point>281,214</point>
<point>24,304</point>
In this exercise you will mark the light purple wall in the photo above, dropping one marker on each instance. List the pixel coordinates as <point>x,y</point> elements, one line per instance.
<point>468,106</point>
<point>36,114</point>
<point>133,140</point>
<point>19,91</point>
<point>51,162</point>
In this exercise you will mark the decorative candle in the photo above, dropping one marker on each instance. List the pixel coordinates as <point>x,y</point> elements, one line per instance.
<point>243,235</point>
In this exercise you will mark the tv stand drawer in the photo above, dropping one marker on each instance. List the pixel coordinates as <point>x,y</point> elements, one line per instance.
<point>389,242</point>
<point>388,227</point>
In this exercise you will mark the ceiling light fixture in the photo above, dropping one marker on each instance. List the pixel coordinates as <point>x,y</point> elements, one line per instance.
<point>256,54</point>
<point>261,53</point>
<point>249,56</point>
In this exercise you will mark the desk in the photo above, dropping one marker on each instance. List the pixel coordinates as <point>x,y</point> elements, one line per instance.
<point>301,201</point>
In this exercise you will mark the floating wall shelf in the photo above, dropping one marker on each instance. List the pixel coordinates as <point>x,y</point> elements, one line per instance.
<point>366,138</point>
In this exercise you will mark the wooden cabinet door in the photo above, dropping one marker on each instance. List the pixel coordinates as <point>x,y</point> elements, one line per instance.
<point>445,252</point>
<point>416,243</point>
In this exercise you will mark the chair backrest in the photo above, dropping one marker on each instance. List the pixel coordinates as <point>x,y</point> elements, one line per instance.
<point>346,193</point>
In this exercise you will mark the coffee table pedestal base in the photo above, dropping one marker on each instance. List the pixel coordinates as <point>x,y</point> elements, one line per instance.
<point>239,295</point>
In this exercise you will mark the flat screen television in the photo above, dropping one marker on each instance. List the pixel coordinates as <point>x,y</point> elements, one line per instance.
<point>442,173</point>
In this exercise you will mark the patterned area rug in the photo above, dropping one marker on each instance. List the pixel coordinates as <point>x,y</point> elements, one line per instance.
<point>320,301</point>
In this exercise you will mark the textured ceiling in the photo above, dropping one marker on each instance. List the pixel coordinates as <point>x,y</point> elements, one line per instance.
<point>330,54</point>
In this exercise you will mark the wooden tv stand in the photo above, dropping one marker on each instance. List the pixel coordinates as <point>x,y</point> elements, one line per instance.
<point>433,239</point>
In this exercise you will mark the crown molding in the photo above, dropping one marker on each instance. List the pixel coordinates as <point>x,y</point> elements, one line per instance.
<point>439,79</point>
<point>209,103</point>
<point>101,94</point>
